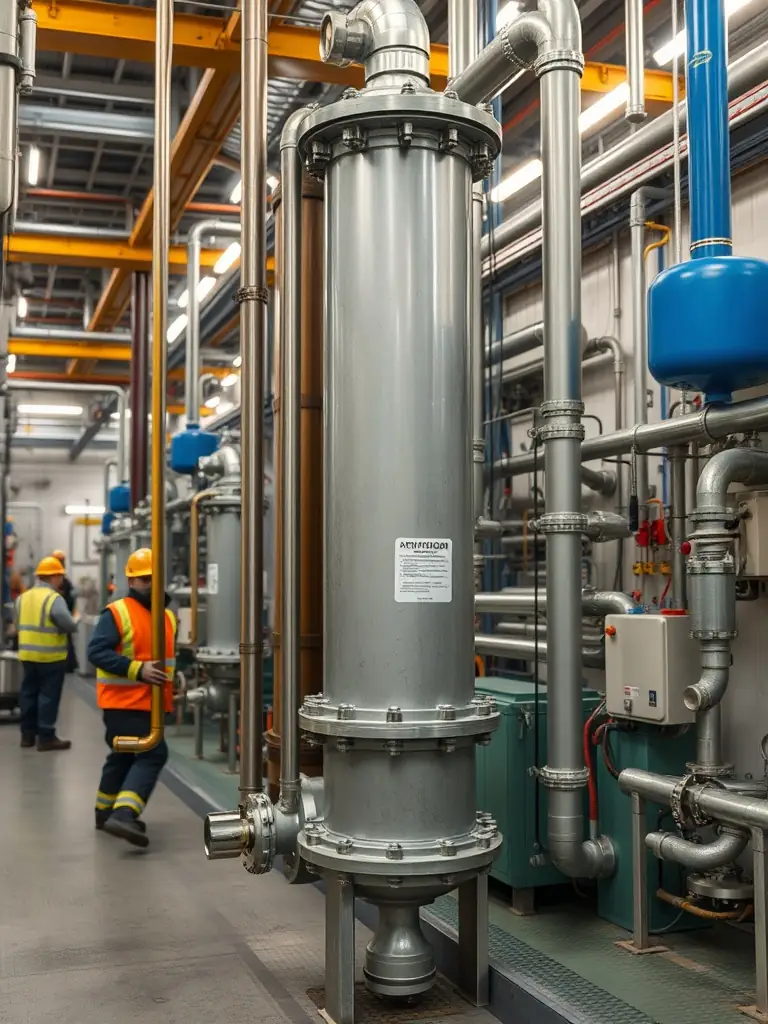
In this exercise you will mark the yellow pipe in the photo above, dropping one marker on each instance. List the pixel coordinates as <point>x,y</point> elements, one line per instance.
<point>697,911</point>
<point>194,562</point>
<point>665,233</point>
<point>160,249</point>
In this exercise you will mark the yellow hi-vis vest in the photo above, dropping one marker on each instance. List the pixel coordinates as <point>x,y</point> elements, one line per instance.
<point>40,639</point>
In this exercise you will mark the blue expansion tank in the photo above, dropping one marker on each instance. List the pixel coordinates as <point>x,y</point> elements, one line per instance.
<point>708,317</point>
<point>188,446</point>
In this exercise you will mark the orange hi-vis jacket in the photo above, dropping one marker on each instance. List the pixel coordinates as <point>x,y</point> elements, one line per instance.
<point>134,624</point>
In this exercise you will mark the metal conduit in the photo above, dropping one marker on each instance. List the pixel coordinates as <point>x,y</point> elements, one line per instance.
<point>743,74</point>
<point>192,355</point>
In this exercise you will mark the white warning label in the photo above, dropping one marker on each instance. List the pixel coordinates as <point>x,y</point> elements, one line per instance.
<point>213,578</point>
<point>423,571</point>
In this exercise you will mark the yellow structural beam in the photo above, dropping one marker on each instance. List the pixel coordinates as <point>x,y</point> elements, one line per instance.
<point>60,251</point>
<point>607,77</point>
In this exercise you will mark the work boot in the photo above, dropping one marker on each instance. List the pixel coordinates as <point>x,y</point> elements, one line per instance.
<point>27,739</point>
<point>127,827</point>
<point>54,743</point>
<point>102,816</point>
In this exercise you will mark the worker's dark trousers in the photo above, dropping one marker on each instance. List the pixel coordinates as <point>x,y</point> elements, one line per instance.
<point>127,780</point>
<point>40,697</point>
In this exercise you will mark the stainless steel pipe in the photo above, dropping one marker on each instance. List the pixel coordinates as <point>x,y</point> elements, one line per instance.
<point>253,298</point>
<point>710,424</point>
<point>529,649</point>
<point>713,801</point>
<point>290,438</point>
<point>65,334</point>
<point>635,59</point>
<point>729,844</point>
<point>678,521</point>
<point>594,603</point>
<point>192,353</point>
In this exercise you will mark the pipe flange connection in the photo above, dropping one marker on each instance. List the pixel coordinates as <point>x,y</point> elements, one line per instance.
<point>261,835</point>
<point>710,772</point>
<point>563,778</point>
<point>687,817</point>
<point>567,429</point>
<point>320,716</point>
<point>562,522</point>
<point>698,566</point>
<point>561,407</point>
<point>478,450</point>
<point>559,60</point>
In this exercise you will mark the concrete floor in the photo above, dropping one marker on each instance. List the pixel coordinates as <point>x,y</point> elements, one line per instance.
<point>94,931</point>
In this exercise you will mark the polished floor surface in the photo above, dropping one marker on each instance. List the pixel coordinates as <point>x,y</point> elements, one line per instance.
<point>95,932</point>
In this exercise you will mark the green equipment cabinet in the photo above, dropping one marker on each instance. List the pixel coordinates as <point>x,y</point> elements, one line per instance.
<point>507,788</point>
<point>652,749</point>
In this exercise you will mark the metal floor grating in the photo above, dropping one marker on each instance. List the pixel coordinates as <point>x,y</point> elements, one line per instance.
<point>441,1001</point>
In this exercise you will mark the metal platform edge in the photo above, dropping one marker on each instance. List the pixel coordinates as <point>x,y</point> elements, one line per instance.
<point>513,1000</point>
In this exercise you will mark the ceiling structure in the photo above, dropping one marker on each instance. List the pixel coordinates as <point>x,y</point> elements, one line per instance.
<point>85,225</point>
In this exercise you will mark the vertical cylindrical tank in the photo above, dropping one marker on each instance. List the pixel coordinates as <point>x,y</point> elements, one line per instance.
<point>311,485</point>
<point>222,525</point>
<point>398,716</point>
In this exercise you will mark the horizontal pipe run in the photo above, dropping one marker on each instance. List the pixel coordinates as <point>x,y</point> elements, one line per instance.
<point>28,227</point>
<point>25,333</point>
<point>718,804</point>
<point>527,650</point>
<point>729,845</point>
<point>522,601</point>
<point>710,424</point>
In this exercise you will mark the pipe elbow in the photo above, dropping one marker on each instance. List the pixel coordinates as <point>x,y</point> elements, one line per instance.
<point>372,26</point>
<point>565,24</point>
<point>289,137</point>
<point>746,466</point>
<point>592,858</point>
<point>708,691</point>
<point>729,844</point>
<point>599,603</point>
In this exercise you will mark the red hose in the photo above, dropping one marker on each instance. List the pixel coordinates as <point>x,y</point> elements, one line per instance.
<point>591,780</point>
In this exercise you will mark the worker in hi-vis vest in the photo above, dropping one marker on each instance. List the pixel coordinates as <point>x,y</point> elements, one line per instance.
<point>121,650</point>
<point>44,626</point>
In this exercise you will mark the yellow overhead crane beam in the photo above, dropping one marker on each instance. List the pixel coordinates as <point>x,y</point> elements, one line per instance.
<point>125,32</point>
<point>60,251</point>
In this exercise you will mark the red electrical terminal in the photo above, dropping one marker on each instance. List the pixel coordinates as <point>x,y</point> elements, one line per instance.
<point>643,535</point>
<point>610,631</point>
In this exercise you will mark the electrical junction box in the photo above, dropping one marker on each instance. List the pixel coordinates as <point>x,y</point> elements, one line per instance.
<point>184,635</point>
<point>753,536</point>
<point>649,661</point>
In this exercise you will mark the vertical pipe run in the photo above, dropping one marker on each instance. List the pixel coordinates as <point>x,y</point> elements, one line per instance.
<point>290,437</point>
<point>635,56</point>
<point>140,378</point>
<point>8,104</point>
<point>639,334</point>
<point>253,297</point>
<point>678,517</point>
<point>708,140</point>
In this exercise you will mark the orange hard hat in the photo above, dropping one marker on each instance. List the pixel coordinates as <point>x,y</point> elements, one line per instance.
<point>49,566</point>
<point>61,555</point>
<point>139,564</point>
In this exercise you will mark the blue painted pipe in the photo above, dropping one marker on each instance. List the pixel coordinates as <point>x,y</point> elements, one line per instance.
<point>708,140</point>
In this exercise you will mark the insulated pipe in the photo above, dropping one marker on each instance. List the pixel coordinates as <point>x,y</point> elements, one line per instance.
<point>714,802</point>
<point>709,424</point>
<point>743,74</point>
<point>253,299</point>
<point>601,481</point>
<point>290,438</point>
<point>709,157</point>
<point>140,377</point>
<point>160,249</point>
<point>8,104</point>
<point>730,844</point>
<point>527,650</point>
<point>522,601</point>
<point>90,389</point>
<point>192,381</point>
<point>635,58</point>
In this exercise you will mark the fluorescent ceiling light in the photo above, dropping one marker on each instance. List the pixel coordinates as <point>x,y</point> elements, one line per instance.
<point>22,307</point>
<point>676,47</point>
<point>213,401</point>
<point>116,415</point>
<point>507,14</point>
<point>237,193</point>
<point>237,361</point>
<point>603,108</point>
<point>230,380</point>
<point>225,407</point>
<point>50,410</point>
<point>230,255</point>
<point>177,328</point>
<point>33,165</point>
<point>84,510</point>
<point>204,287</point>
<point>10,366</point>
<point>516,180</point>
<point>272,182</point>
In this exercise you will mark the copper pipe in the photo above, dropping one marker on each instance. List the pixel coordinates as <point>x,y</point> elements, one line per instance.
<point>194,561</point>
<point>160,251</point>
<point>311,471</point>
<point>140,378</point>
<point>697,911</point>
<point>66,195</point>
<point>218,208</point>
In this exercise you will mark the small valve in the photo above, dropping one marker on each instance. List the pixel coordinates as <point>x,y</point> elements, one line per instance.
<point>610,631</point>
<point>685,547</point>
<point>643,535</point>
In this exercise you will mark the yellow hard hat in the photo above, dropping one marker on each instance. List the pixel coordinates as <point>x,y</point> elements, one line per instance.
<point>139,564</point>
<point>50,566</point>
